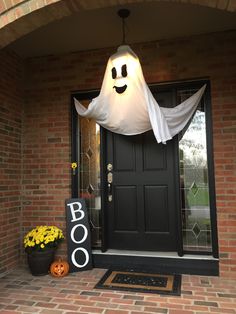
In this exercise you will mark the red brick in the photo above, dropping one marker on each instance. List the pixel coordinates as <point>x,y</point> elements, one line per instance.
<point>46,304</point>
<point>122,301</point>
<point>91,309</point>
<point>116,312</point>
<point>68,307</point>
<point>180,312</point>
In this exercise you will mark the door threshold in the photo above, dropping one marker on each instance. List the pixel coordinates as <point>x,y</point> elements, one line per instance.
<point>154,254</point>
<point>163,262</point>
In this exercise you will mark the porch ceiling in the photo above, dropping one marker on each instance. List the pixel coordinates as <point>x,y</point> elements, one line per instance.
<point>100,28</point>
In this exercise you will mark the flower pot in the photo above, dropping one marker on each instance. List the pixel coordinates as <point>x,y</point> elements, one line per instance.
<point>39,261</point>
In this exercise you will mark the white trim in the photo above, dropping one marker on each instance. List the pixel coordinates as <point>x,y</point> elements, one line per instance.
<point>154,254</point>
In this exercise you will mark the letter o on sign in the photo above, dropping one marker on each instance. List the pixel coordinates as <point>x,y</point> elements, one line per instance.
<point>85,254</point>
<point>73,232</point>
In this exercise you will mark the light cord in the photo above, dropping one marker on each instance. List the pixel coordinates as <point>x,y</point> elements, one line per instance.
<point>123,32</point>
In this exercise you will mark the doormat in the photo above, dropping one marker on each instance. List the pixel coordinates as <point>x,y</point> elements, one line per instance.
<point>140,282</point>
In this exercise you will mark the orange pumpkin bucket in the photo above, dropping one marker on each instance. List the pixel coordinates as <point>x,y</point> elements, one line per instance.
<point>59,268</point>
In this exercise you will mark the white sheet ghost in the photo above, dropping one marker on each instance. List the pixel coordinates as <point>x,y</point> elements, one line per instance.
<point>126,105</point>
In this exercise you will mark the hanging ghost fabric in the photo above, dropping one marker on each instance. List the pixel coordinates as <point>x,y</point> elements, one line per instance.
<point>126,105</point>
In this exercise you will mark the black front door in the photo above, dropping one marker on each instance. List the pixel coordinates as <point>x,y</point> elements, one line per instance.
<point>142,203</point>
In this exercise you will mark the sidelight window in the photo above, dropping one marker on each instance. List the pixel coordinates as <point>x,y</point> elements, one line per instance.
<point>89,175</point>
<point>194,181</point>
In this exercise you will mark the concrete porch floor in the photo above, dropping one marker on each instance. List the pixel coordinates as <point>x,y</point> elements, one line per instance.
<point>20,292</point>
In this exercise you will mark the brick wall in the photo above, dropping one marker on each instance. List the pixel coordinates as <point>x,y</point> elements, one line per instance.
<point>46,155</point>
<point>46,138</point>
<point>11,97</point>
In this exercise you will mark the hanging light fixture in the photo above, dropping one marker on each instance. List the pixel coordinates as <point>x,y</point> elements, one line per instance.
<point>123,14</point>
<point>126,105</point>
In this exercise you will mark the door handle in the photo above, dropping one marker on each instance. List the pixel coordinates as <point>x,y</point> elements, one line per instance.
<point>109,189</point>
<point>110,177</point>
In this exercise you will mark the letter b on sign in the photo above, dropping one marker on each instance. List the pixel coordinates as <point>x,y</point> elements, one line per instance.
<point>78,235</point>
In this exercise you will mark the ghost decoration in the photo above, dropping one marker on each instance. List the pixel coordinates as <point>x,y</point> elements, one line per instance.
<point>126,105</point>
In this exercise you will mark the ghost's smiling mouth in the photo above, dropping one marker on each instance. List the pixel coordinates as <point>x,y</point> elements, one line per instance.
<point>120,89</point>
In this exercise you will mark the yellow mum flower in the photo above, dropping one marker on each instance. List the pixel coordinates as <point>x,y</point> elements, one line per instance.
<point>42,237</point>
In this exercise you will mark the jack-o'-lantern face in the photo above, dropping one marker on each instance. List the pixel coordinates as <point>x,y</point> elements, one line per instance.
<point>59,268</point>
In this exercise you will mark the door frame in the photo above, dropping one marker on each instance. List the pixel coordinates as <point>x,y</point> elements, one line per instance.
<point>193,83</point>
<point>176,190</point>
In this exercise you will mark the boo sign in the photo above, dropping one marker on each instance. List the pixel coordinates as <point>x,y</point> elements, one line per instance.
<point>78,235</point>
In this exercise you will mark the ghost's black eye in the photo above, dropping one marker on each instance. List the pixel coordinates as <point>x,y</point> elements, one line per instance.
<point>113,73</point>
<point>124,70</point>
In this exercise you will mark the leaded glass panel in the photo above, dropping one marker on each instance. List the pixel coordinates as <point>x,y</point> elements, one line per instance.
<point>89,173</point>
<point>196,222</point>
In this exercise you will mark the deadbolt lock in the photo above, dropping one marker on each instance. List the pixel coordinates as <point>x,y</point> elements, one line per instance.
<point>109,167</point>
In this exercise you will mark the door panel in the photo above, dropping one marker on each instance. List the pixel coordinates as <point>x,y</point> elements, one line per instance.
<point>154,155</point>
<point>156,209</point>
<point>125,197</point>
<point>124,162</point>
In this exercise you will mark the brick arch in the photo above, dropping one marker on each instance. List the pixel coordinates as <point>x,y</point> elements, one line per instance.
<point>19,17</point>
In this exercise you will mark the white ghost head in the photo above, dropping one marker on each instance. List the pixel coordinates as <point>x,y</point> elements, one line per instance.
<point>123,71</point>
<point>121,105</point>
<point>125,104</point>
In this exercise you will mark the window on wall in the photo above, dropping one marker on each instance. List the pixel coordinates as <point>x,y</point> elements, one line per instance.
<point>194,181</point>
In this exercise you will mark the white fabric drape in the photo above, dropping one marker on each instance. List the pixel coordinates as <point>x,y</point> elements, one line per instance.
<point>126,105</point>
